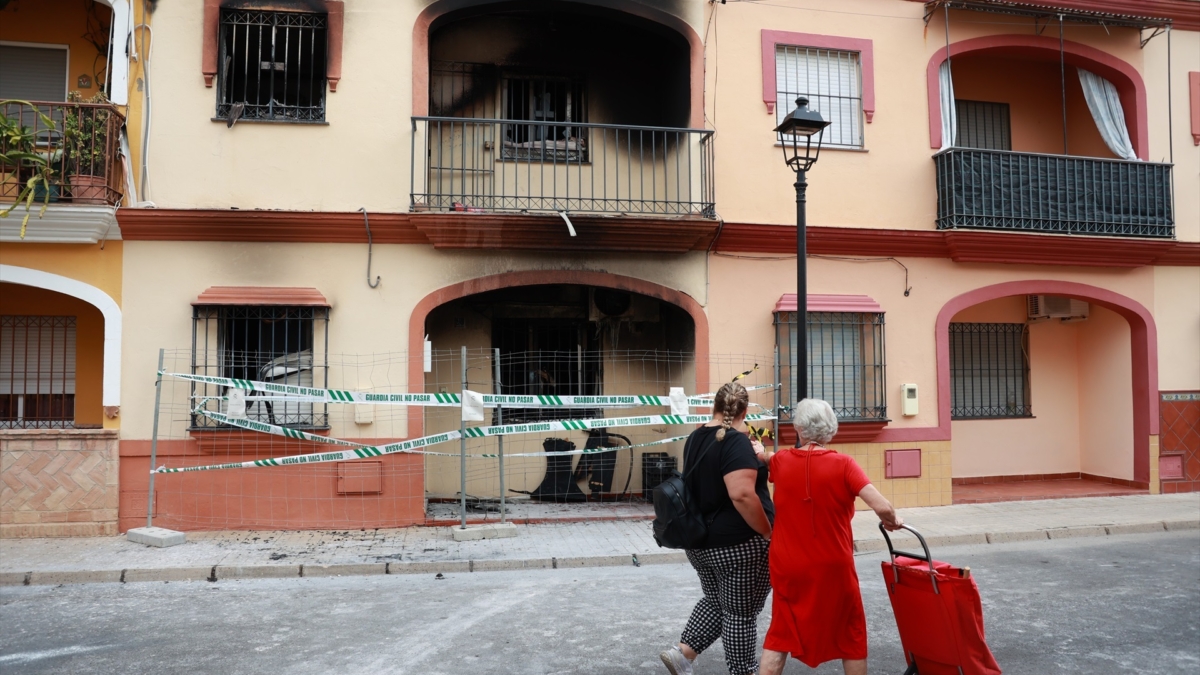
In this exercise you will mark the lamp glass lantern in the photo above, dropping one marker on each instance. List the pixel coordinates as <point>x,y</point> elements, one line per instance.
<point>796,136</point>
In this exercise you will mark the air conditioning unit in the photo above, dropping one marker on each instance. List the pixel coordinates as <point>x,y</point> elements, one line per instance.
<point>609,304</point>
<point>1043,307</point>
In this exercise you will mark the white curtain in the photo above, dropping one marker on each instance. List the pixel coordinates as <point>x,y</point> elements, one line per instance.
<point>946,93</point>
<point>1105,104</point>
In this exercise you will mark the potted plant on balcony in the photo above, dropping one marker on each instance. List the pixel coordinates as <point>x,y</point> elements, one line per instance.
<point>85,135</point>
<point>25,174</point>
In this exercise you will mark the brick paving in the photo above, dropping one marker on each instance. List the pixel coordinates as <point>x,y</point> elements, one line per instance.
<point>545,545</point>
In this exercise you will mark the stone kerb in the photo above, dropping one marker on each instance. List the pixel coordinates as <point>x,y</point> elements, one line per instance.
<point>58,482</point>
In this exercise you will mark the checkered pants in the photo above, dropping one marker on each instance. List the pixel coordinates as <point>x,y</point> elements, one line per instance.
<point>736,581</point>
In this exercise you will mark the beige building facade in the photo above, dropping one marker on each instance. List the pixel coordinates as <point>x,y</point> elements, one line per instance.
<point>590,198</point>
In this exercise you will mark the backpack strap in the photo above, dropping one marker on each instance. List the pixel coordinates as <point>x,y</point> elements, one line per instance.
<point>687,471</point>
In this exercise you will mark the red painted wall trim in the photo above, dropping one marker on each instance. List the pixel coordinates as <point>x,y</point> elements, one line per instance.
<point>290,296</point>
<point>1125,77</point>
<point>416,322</point>
<point>961,246</point>
<point>1194,99</point>
<point>1182,12</point>
<point>333,64</point>
<point>211,29</point>
<point>1143,353</point>
<point>830,303</point>
<point>267,226</point>
<point>208,57</point>
<point>420,53</point>
<point>772,38</point>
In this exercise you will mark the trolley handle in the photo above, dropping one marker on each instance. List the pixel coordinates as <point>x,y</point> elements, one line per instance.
<point>927,558</point>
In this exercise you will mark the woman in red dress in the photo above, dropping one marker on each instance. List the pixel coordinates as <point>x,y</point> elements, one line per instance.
<point>817,612</point>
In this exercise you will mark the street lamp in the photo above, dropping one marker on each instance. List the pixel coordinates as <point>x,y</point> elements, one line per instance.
<point>796,136</point>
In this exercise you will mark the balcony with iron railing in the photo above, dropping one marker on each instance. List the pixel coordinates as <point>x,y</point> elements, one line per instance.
<point>1056,194</point>
<point>59,153</point>
<point>502,166</point>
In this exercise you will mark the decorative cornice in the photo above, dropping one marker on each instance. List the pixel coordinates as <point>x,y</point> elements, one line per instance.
<point>1182,13</point>
<point>818,302</point>
<point>290,296</point>
<point>62,224</point>
<point>442,230</point>
<point>549,233</point>
<point>630,234</point>
<point>962,246</point>
<point>266,226</point>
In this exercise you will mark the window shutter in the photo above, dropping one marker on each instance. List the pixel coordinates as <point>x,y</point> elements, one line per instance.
<point>33,73</point>
<point>831,80</point>
<point>37,355</point>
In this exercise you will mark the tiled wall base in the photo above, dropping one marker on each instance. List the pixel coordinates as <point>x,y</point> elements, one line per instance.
<point>932,488</point>
<point>58,482</point>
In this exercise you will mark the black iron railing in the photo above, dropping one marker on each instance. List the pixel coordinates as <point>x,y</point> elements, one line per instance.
<point>518,166</point>
<point>999,190</point>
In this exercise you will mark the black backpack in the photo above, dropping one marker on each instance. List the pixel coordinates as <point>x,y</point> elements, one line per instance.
<point>678,522</point>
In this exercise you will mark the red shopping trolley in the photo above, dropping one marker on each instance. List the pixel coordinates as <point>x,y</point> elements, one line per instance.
<point>938,613</point>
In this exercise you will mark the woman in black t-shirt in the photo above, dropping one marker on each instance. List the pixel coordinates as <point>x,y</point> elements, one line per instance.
<point>731,486</point>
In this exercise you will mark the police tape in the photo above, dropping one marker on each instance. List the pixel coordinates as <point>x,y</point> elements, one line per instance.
<point>290,393</point>
<point>413,446</point>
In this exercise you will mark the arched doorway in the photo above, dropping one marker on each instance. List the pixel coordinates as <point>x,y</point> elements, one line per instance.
<point>1048,397</point>
<point>687,84</point>
<point>96,360</point>
<point>988,61</point>
<point>558,333</point>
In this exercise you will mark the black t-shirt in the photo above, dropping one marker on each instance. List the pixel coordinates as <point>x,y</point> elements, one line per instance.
<point>707,483</point>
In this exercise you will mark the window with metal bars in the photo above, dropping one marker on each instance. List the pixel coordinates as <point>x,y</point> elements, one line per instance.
<point>37,372</point>
<point>271,66</point>
<point>548,357</point>
<point>845,362</point>
<point>982,125</point>
<point>545,102</point>
<point>275,344</point>
<point>989,370</point>
<point>831,80</point>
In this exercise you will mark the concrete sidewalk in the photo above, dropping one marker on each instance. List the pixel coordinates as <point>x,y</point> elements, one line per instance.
<point>231,555</point>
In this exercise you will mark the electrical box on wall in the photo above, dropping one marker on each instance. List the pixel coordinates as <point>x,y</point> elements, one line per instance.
<point>908,395</point>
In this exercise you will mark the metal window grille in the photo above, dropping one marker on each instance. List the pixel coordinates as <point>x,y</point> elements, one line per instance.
<point>544,357</point>
<point>281,345</point>
<point>831,80</point>
<point>271,66</point>
<point>37,372</point>
<point>989,370</point>
<point>544,101</point>
<point>983,125</point>
<point>845,362</point>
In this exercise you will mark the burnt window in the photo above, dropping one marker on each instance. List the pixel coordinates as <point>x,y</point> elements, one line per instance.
<point>549,105</point>
<point>37,372</point>
<point>548,357</point>
<point>271,66</point>
<point>982,125</point>
<point>989,370</point>
<point>273,344</point>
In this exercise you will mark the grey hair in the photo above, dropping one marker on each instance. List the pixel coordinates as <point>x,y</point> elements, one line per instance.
<point>814,421</point>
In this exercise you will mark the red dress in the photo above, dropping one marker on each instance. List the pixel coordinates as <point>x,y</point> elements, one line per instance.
<point>816,612</point>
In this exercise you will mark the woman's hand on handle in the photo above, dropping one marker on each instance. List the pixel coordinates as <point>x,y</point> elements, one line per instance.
<point>882,508</point>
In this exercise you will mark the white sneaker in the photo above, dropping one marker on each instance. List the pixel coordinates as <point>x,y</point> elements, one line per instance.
<point>676,662</point>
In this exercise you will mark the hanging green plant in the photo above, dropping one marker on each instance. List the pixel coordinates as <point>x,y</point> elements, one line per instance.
<point>33,172</point>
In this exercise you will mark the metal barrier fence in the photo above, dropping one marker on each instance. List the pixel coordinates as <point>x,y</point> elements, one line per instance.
<point>389,454</point>
<point>994,189</point>
<point>498,165</point>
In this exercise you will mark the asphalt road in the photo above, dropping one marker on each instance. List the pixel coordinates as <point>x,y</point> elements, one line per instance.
<point>1121,604</point>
